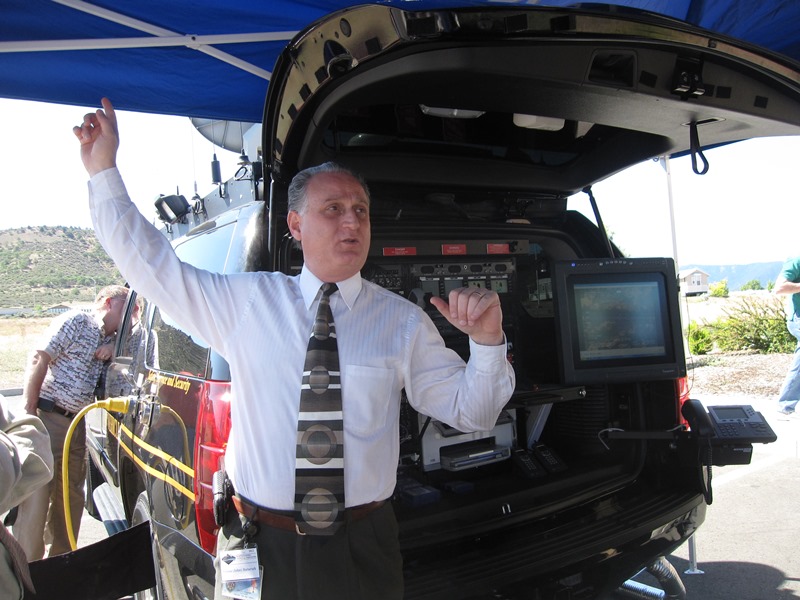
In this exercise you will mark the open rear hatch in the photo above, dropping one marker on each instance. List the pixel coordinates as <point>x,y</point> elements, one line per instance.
<point>536,99</point>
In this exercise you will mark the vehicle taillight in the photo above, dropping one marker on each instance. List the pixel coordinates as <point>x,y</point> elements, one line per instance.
<point>211,439</point>
<point>682,391</point>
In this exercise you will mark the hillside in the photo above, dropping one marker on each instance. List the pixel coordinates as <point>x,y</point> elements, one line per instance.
<point>48,265</point>
<point>738,275</point>
<point>43,266</point>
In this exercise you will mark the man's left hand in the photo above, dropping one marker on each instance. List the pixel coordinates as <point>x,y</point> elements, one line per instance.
<point>476,312</point>
<point>104,352</point>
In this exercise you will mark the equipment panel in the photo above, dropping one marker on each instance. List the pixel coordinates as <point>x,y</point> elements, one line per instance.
<point>419,280</point>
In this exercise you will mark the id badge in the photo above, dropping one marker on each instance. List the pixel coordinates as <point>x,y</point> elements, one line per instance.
<point>241,574</point>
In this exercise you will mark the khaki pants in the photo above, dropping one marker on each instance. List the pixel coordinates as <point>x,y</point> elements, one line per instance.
<point>40,519</point>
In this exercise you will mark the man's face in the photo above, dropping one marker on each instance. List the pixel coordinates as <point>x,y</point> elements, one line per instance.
<point>334,228</point>
<point>115,307</point>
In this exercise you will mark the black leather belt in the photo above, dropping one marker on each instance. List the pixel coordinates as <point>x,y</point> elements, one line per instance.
<point>48,405</point>
<point>283,520</point>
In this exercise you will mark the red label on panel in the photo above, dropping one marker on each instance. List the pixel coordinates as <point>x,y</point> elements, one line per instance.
<point>452,249</point>
<point>497,249</point>
<point>400,251</point>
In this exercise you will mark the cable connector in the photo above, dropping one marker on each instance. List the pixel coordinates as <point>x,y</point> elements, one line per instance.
<point>114,404</point>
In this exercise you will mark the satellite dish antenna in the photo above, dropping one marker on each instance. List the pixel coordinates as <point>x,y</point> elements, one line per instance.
<point>223,134</point>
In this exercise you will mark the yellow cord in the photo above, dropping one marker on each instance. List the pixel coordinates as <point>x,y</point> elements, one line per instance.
<point>112,405</point>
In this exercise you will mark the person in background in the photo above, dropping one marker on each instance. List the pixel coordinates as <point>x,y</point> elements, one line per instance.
<point>60,380</point>
<point>26,463</point>
<point>788,283</point>
<point>120,383</point>
<point>310,545</point>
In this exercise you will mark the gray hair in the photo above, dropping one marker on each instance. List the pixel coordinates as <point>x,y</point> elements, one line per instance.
<point>299,186</point>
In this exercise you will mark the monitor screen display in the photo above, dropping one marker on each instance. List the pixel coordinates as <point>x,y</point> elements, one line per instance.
<point>618,320</point>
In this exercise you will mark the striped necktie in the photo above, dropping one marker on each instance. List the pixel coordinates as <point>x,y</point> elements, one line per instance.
<point>18,558</point>
<point>319,470</point>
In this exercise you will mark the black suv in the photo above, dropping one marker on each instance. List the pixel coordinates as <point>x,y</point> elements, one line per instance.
<point>472,128</point>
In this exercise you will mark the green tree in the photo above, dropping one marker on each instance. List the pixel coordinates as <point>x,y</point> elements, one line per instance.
<point>719,289</point>
<point>753,284</point>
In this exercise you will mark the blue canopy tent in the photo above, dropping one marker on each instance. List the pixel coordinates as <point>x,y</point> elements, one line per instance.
<point>212,59</point>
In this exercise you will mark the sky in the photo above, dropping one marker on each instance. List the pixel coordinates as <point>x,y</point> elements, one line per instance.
<point>46,183</point>
<point>742,211</point>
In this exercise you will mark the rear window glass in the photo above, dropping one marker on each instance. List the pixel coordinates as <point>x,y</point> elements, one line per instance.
<point>209,250</point>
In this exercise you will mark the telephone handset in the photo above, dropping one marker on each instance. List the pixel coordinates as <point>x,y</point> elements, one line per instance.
<point>694,412</point>
<point>549,459</point>
<point>525,462</point>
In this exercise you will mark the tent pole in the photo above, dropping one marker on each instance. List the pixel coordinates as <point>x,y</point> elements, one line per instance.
<point>668,171</point>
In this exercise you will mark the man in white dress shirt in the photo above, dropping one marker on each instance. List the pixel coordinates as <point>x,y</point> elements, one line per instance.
<point>260,322</point>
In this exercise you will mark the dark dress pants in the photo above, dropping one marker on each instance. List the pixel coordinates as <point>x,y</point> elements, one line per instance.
<point>362,561</point>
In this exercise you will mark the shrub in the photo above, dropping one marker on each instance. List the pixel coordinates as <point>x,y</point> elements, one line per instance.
<point>753,324</point>
<point>719,289</point>
<point>701,340</point>
<point>753,284</point>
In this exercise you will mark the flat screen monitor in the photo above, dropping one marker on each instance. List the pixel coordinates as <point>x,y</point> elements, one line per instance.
<point>618,320</point>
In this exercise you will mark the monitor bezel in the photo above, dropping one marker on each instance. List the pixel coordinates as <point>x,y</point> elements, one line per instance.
<point>575,370</point>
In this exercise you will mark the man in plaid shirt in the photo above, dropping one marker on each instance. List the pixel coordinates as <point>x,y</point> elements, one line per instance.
<point>60,380</point>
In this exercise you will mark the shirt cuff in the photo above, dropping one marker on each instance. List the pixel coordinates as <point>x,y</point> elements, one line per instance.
<point>489,358</point>
<point>107,184</point>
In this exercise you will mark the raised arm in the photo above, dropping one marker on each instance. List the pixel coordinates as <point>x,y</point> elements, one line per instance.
<point>207,304</point>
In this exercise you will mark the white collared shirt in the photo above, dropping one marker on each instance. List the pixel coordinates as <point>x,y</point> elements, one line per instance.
<point>260,322</point>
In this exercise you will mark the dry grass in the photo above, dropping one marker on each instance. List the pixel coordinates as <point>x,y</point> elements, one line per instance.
<point>17,339</point>
<point>753,374</point>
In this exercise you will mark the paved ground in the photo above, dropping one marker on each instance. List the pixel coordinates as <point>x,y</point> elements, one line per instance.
<point>748,547</point>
